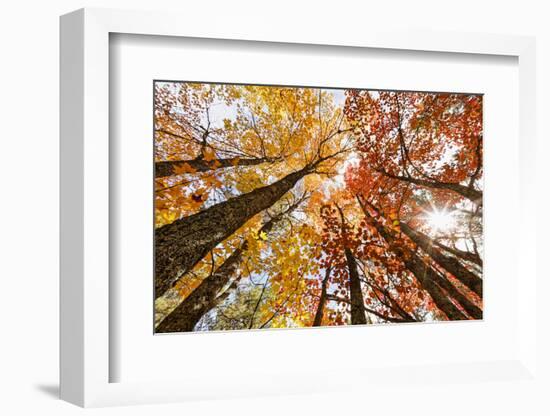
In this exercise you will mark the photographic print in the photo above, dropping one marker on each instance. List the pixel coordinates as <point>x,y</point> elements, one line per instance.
<point>292,207</point>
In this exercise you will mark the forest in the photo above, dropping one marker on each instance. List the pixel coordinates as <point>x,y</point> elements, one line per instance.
<point>290,207</point>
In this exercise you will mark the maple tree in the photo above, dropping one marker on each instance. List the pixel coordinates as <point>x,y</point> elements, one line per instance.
<point>296,207</point>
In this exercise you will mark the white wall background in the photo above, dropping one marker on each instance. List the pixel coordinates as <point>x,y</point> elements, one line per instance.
<point>29,210</point>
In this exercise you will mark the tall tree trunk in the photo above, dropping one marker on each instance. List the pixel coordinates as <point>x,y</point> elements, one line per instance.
<point>429,279</point>
<point>466,191</point>
<point>202,299</point>
<point>322,299</point>
<point>425,275</point>
<point>466,304</point>
<point>464,255</point>
<point>356,295</point>
<point>170,167</point>
<point>179,246</point>
<point>453,266</point>
<point>205,297</point>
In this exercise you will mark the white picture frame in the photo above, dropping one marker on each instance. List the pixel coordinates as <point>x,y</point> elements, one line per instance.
<point>85,163</point>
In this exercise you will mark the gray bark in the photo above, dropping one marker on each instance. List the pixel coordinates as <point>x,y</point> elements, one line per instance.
<point>202,299</point>
<point>318,319</point>
<point>206,296</point>
<point>356,295</point>
<point>169,167</point>
<point>453,266</point>
<point>464,255</point>
<point>179,246</point>
<point>466,191</point>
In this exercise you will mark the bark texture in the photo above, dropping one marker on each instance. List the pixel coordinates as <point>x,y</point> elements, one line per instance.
<point>179,246</point>
<point>464,255</point>
<point>203,298</point>
<point>318,319</point>
<point>356,295</point>
<point>466,191</point>
<point>170,167</point>
<point>428,279</point>
<point>206,296</point>
<point>357,302</point>
<point>452,265</point>
<point>471,308</point>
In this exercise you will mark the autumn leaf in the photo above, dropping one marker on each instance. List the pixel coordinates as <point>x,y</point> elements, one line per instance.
<point>183,168</point>
<point>209,155</point>
<point>291,207</point>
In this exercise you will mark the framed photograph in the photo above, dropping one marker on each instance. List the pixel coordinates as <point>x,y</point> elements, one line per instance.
<point>315,206</point>
<point>227,198</point>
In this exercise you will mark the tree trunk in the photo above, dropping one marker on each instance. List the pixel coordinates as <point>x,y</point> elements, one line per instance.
<point>170,167</point>
<point>425,275</point>
<point>464,255</point>
<point>450,264</point>
<point>466,304</point>
<point>203,298</point>
<point>429,280</point>
<point>179,246</point>
<point>357,302</point>
<point>467,192</point>
<point>356,295</point>
<point>322,299</point>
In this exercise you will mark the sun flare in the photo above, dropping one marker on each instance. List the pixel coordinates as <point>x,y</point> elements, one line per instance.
<point>440,220</point>
<point>289,207</point>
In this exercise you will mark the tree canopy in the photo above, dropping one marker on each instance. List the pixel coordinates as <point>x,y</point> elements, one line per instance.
<point>297,207</point>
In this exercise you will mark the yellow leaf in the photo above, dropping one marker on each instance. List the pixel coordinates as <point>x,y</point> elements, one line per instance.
<point>184,168</point>
<point>215,164</point>
<point>262,235</point>
<point>209,155</point>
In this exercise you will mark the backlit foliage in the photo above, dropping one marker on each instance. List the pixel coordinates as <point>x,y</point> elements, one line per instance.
<point>388,200</point>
